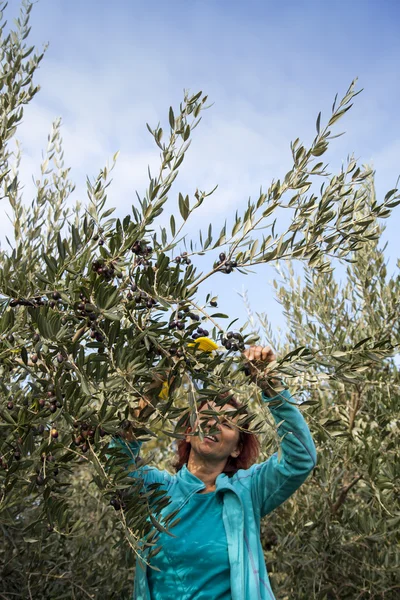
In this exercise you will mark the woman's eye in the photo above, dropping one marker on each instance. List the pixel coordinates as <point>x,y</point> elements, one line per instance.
<point>226,424</point>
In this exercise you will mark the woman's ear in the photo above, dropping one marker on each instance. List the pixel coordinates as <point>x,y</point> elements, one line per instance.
<point>188,437</point>
<point>237,451</point>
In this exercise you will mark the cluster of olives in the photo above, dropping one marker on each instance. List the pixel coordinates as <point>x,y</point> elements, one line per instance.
<point>183,259</point>
<point>3,461</point>
<point>104,269</point>
<point>177,319</point>
<point>142,251</point>
<point>177,323</point>
<point>141,298</point>
<point>38,430</point>
<point>95,334</point>
<point>200,332</point>
<point>85,435</point>
<point>52,403</point>
<point>36,301</point>
<point>233,341</point>
<point>117,502</point>
<point>85,310</point>
<point>224,265</point>
<point>99,239</point>
<point>56,298</point>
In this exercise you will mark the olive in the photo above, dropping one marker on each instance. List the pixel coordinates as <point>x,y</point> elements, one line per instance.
<point>115,503</point>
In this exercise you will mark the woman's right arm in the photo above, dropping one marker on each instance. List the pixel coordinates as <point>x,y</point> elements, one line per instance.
<point>130,447</point>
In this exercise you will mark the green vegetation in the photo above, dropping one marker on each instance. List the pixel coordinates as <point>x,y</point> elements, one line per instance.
<point>95,309</point>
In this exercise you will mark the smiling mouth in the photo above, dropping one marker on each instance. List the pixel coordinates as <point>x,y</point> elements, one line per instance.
<point>213,438</point>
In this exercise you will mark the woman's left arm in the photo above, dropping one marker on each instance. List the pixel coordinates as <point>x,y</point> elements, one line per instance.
<point>282,474</point>
<point>274,480</point>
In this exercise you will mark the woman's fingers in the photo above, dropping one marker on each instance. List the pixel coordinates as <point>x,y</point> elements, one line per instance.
<point>262,353</point>
<point>268,354</point>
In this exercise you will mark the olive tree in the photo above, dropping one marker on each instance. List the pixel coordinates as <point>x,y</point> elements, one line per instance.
<point>339,536</point>
<point>95,309</point>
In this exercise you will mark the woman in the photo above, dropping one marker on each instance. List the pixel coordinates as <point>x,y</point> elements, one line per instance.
<point>216,553</point>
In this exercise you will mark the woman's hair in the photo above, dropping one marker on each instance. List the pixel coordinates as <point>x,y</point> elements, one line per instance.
<point>248,443</point>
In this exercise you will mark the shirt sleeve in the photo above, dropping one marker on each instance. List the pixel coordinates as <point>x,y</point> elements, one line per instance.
<point>276,479</point>
<point>135,467</point>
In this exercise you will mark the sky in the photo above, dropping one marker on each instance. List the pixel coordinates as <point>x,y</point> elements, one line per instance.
<point>268,68</point>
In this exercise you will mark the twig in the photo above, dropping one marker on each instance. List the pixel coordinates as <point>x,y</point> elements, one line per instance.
<point>343,494</point>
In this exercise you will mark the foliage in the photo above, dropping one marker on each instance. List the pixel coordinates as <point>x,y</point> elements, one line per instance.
<point>94,309</point>
<point>339,536</point>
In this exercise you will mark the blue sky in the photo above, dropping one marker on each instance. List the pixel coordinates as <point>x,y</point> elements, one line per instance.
<point>269,67</point>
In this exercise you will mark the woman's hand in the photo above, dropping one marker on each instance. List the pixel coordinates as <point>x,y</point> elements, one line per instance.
<point>145,407</point>
<point>257,359</point>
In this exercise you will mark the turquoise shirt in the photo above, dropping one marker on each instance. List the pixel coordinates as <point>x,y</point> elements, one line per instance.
<point>196,561</point>
<point>246,497</point>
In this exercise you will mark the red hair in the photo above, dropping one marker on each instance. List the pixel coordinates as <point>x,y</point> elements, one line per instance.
<point>248,442</point>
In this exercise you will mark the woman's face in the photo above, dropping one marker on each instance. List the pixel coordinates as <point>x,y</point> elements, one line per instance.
<point>221,438</point>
